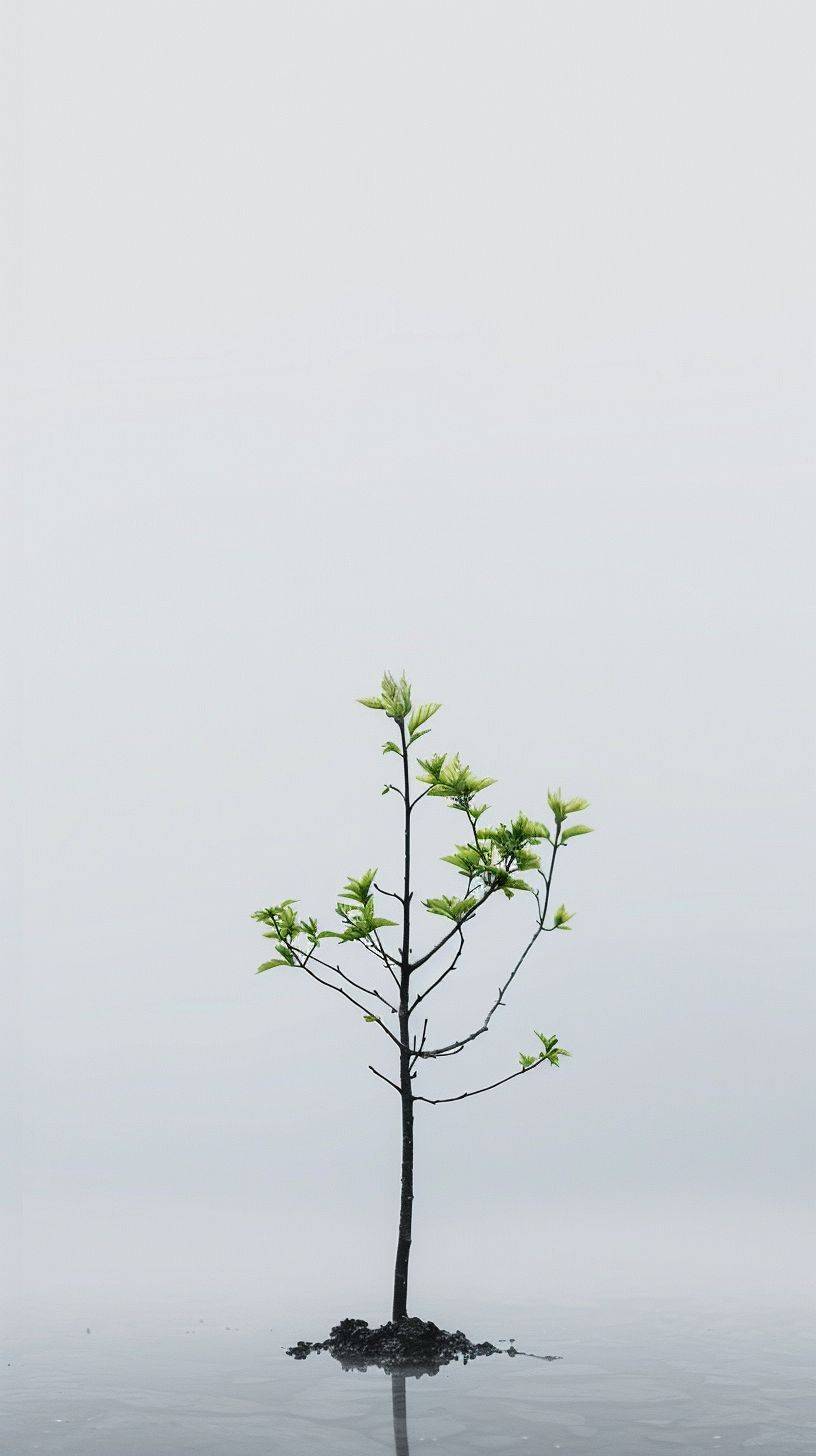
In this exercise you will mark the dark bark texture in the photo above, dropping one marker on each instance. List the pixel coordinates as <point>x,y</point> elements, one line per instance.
<point>399,1306</point>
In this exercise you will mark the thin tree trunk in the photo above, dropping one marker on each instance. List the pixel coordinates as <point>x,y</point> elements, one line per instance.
<point>400,1305</point>
<point>400,1302</point>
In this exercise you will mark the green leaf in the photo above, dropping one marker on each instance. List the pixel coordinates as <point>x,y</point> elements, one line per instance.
<point>391,747</point>
<point>514,883</point>
<point>415,736</point>
<point>466,859</point>
<point>421,715</point>
<point>556,803</point>
<point>560,918</point>
<point>371,1018</point>
<point>269,965</point>
<point>576,829</point>
<point>433,767</point>
<point>371,702</point>
<point>551,1050</point>
<point>451,779</point>
<point>272,914</point>
<point>561,807</point>
<point>359,890</point>
<point>450,907</point>
<point>396,696</point>
<point>364,924</point>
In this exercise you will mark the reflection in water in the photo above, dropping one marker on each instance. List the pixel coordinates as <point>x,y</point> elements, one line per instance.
<point>398,1400</point>
<point>399,1407</point>
<point>400,1373</point>
<point>400,1414</point>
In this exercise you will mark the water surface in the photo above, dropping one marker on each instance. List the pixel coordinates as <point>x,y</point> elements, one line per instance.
<point>630,1380</point>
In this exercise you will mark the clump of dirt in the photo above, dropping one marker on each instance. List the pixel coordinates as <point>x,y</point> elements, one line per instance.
<point>409,1344</point>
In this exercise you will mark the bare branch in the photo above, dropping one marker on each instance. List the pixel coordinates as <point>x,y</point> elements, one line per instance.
<point>499,1001</point>
<point>383,1078</point>
<point>381,954</point>
<point>435,1101</point>
<point>446,972</point>
<point>368,990</point>
<point>421,796</point>
<point>548,877</point>
<point>393,894</point>
<point>472,823</point>
<point>366,1010</point>
<point>418,1050</point>
<point>386,958</point>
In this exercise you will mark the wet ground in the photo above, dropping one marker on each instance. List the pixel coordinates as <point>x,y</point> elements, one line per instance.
<point>631,1380</point>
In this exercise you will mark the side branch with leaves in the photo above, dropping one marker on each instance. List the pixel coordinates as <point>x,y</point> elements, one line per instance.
<point>499,860</point>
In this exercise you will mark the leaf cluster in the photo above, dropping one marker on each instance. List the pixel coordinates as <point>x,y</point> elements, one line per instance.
<point>550,1052</point>
<point>394,699</point>
<point>355,908</point>
<point>357,911</point>
<point>451,779</point>
<point>285,929</point>
<point>561,807</point>
<point>452,908</point>
<point>561,917</point>
<point>499,856</point>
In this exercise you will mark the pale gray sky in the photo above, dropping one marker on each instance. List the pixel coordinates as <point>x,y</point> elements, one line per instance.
<point>476,340</point>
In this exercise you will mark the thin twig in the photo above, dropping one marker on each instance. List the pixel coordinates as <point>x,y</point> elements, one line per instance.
<point>380,953</point>
<point>368,990</point>
<point>383,1077</point>
<point>435,1101</point>
<point>446,972</point>
<point>393,894</point>
<point>421,796</point>
<point>418,1051</point>
<point>499,1001</point>
<point>365,1009</point>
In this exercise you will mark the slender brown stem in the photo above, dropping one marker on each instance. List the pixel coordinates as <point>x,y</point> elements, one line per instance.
<point>367,1011</point>
<point>462,1041</point>
<point>421,796</point>
<point>399,1307</point>
<point>368,990</point>
<point>436,1101</point>
<point>441,978</point>
<point>418,1050</point>
<point>383,1077</point>
<point>392,894</point>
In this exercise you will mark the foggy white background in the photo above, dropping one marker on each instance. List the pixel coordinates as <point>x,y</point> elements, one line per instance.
<point>475,340</point>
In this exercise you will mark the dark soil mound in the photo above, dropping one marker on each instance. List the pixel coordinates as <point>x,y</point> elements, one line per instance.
<point>413,1344</point>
